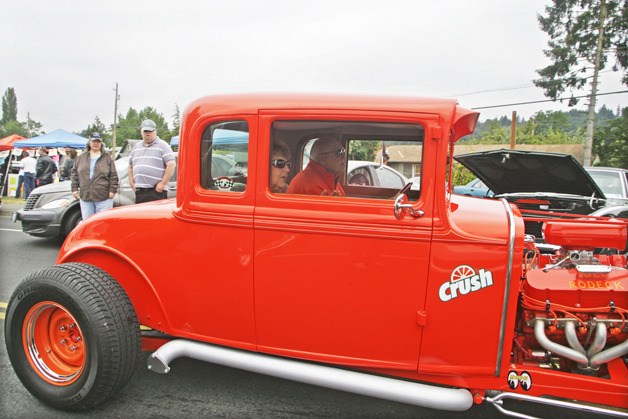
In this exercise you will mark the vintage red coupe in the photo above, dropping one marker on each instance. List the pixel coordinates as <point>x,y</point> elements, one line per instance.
<point>415,295</point>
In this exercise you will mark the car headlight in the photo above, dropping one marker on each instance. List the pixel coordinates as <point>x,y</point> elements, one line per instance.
<point>57,203</point>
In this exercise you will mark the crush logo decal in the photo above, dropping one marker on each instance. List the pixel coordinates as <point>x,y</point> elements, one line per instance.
<point>515,379</point>
<point>464,280</point>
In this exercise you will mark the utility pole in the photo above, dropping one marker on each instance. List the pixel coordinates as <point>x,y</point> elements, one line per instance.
<point>115,123</point>
<point>28,125</point>
<point>513,130</point>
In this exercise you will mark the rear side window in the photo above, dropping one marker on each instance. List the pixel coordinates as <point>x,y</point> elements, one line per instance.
<point>378,158</point>
<point>225,156</point>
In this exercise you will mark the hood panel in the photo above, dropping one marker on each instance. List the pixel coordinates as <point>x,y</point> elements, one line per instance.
<point>515,171</point>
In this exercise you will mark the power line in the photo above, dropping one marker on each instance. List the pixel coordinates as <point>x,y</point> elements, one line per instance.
<point>548,100</point>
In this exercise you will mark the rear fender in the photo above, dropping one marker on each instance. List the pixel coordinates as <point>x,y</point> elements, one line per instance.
<point>148,306</point>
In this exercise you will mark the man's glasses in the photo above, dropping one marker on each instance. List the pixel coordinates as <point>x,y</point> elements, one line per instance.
<point>340,152</point>
<point>280,164</point>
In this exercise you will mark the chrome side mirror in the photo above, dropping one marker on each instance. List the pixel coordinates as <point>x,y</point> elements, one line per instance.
<point>402,208</point>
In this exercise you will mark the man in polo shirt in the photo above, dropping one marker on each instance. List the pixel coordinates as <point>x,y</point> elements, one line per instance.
<point>151,165</point>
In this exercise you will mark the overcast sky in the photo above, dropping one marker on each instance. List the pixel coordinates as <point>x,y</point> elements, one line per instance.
<point>64,57</point>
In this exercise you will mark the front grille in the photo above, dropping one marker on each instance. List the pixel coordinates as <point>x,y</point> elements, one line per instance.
<point>31,201</point>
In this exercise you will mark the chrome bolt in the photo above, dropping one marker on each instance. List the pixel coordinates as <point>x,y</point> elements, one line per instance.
<point>63,341</point>
<point>72,325</point>
<point>62,328</point>
<point>73,348</point>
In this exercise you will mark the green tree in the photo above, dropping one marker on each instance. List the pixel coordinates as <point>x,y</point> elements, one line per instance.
<point>99,127</point>
<point>611,142</point>
<point>583,35</point>
<point>9,106</point>
<point>129,125</point>
<point>13,127</point>
<point>461,175</point>
<point>496,133</point>
<point>176,120</point>
<point>363,150</point>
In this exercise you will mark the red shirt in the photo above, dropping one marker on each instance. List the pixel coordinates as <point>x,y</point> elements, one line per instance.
<point>315,180</point>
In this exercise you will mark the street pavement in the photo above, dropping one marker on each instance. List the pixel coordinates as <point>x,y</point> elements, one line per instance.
<point>195,388</point>
<point>7,208</point>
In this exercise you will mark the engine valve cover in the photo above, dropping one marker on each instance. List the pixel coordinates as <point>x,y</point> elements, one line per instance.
<point>578,289</point>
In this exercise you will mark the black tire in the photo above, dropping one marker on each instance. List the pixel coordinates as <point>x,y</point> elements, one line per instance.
<point>71,221</point>
<point>81,332</point>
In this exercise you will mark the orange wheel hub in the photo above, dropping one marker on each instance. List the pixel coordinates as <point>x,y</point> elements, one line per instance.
<point>53,342</point>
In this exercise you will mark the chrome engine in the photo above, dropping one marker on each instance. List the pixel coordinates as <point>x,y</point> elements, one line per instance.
<point>574,298</point>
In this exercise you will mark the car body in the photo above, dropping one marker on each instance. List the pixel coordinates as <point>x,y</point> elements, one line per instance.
<point>368,173</point>
<point>474,188</point>
<point>417,296</point>
<point>613,181</point>
<point>52,211</point>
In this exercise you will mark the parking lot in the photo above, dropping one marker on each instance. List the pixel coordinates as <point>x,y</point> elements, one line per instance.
<point>192,387</point>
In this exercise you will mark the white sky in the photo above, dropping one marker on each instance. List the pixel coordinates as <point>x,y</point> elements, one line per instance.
<point>64,57</point>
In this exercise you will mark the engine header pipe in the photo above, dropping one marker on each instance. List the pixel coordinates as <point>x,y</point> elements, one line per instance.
<point>355,382</point>
<point>546,343</point>
<point>609,354</point>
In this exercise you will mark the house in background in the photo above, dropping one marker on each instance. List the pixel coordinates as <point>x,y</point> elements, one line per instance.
<point>407,159</point>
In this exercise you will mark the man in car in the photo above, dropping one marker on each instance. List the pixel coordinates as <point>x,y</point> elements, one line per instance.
<point>151,165</point>
<point>320,177</point>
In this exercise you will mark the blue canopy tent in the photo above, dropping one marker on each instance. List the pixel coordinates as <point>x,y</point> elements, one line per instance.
<point>54,139</point>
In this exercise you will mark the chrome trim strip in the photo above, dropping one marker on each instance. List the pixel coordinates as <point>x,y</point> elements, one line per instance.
<point>511,254</point>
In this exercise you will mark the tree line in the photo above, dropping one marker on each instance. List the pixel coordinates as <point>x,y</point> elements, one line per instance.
<point>127,127</point>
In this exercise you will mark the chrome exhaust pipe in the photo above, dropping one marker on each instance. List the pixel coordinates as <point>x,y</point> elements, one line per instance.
<point>354,382</point>
<point>609,354</point>
<point>547,344</point>
<point>599,340</point>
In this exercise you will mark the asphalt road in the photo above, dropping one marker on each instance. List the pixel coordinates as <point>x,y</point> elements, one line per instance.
<point>194,388</point>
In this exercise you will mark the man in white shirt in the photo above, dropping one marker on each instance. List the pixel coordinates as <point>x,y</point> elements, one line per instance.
<point>29,165</point>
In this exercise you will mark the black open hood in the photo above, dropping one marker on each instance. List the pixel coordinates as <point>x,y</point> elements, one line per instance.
<point>515,171</point>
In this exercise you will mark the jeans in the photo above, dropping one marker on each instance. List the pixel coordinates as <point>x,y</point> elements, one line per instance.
<point>29,184</point>
<point>20,181</point>
<point>89,208</point>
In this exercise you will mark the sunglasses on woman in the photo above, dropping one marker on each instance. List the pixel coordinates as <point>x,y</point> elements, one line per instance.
<point>280,164</point>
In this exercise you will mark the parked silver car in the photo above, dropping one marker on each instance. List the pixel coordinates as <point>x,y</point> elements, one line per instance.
<point>52,211</point>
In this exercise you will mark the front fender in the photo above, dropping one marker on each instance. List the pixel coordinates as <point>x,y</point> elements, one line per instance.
<point>148,306</point>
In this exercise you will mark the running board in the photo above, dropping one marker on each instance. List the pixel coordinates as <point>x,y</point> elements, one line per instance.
<point>321,375</point>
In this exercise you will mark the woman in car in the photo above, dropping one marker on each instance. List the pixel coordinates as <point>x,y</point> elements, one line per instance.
<point>279,167</point>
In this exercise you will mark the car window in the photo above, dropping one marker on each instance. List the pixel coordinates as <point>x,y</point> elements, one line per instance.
<point>388,178</point>
<point>224,156</point>
<point>379,157</point>
<point>609,183</point>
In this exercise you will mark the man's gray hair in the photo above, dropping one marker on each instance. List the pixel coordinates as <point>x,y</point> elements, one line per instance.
<point>321,145</point>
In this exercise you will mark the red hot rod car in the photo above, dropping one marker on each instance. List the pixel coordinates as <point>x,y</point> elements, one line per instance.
<point>415,295</point>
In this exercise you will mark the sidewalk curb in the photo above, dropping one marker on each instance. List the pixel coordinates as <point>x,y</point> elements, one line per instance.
<point>7,209</point>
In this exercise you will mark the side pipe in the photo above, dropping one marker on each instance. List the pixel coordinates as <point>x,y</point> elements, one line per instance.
<point>355,382</point>
<point>496,399</point>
